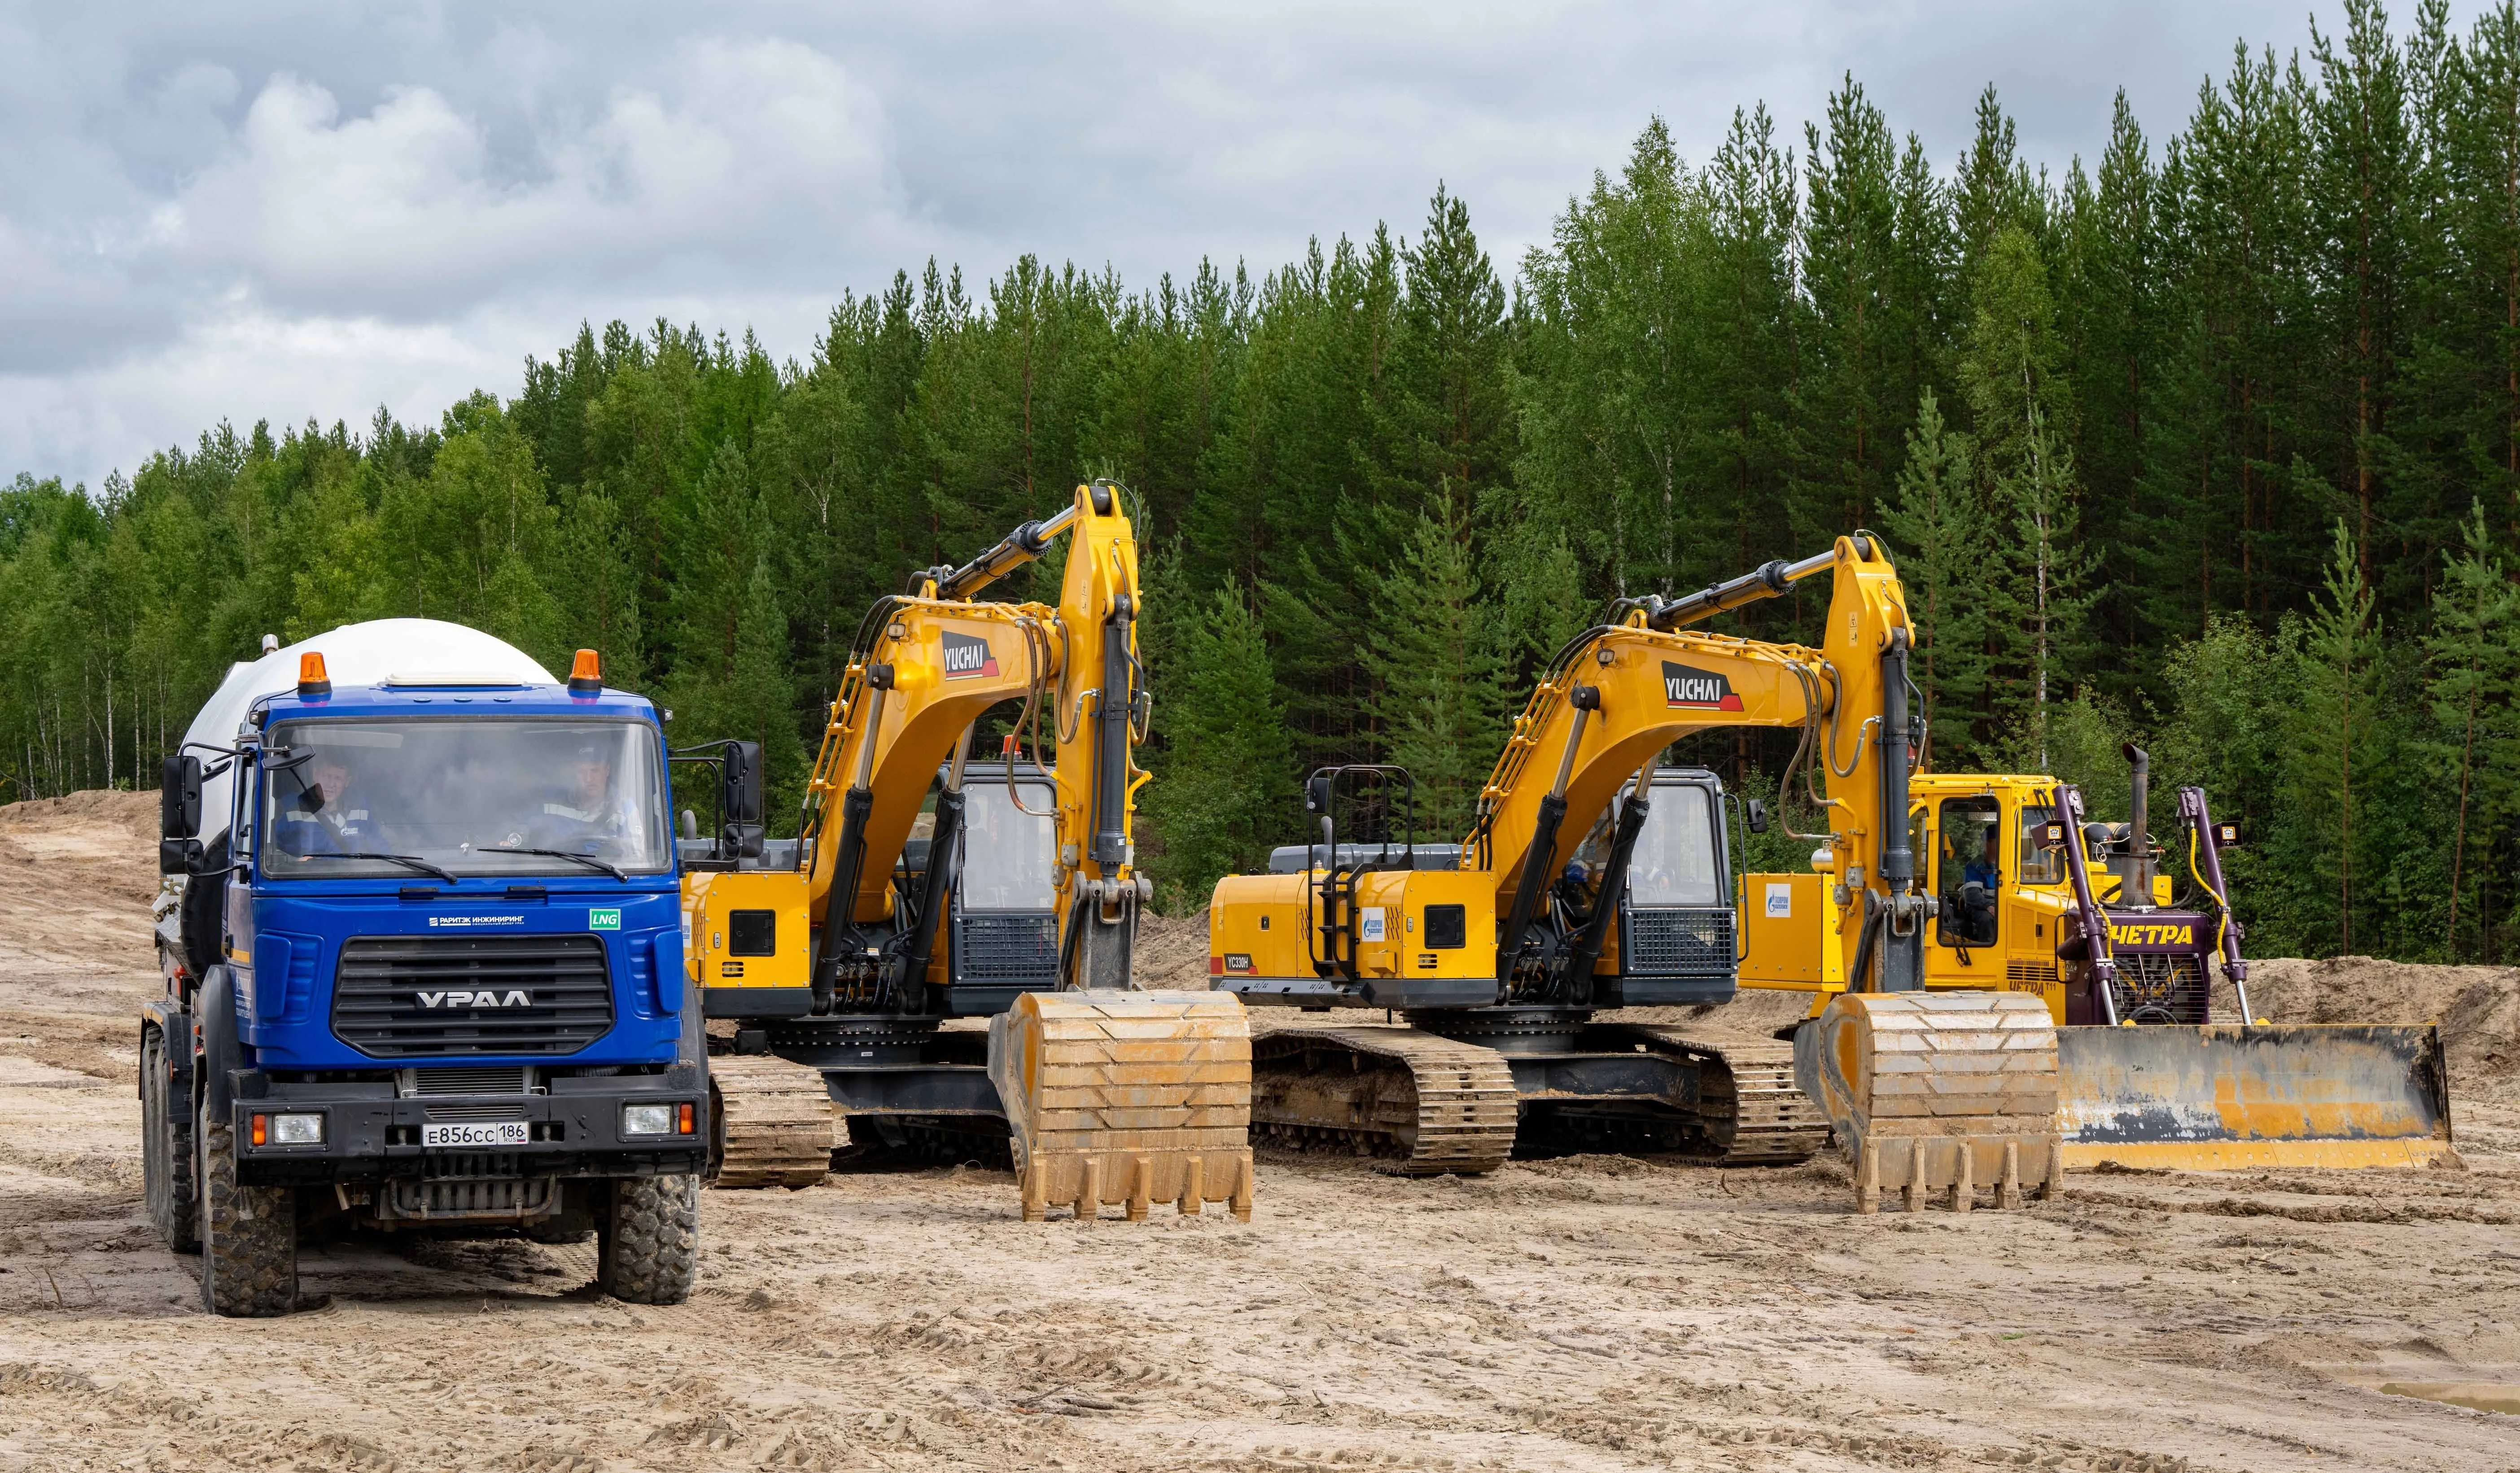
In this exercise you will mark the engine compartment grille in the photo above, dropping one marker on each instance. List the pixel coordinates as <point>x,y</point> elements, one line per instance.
<point>404,997</point>
<point>1004,949</point>
<point>1662,943</point>
<point>2155,987</point>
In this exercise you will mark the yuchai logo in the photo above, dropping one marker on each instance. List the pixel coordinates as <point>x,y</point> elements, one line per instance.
<point>1699,690</point>
<point>514,997</point>
<point>966,656</point>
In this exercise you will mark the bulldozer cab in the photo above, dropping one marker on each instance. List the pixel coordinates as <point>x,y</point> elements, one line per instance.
<point>1997,867</point>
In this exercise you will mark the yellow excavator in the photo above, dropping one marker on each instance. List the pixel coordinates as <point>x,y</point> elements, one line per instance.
<point>1496,960</point>
<point>835,957</point>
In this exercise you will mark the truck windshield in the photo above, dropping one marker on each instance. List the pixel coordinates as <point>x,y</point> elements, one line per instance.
<point>1007,855</point>
<point>467,797</point>
<point>1675,859</point>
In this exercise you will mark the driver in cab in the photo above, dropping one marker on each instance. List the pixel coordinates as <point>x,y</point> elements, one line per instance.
<point>585,815</point>
<point>326,818</point>
<point>1987,868</point>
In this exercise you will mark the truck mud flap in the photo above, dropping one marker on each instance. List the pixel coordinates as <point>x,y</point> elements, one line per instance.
<point>1130,1098</point>
<point>2224,1098</point>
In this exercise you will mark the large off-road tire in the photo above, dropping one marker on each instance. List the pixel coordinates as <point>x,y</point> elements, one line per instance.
<point>248,1234</point>
<point>167,1153</point>
<point>648,1248</point>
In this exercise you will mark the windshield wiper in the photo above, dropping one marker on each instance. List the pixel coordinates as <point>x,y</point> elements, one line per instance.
<point>584,858</point>
<point>440,870</point>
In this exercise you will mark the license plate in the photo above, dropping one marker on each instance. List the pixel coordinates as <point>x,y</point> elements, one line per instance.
<point>475,1133</point>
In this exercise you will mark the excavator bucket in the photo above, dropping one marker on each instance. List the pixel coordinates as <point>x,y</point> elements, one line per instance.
<point>1938,1094</point>
<point>1132,1097</point>
<point>2224,1098</point>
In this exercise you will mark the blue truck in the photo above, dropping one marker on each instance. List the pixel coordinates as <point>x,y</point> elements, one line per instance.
<point>423,968</point>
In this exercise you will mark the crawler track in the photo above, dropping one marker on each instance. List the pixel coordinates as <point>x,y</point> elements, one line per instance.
<point>1749,1111</point>
<point>777,1124</point>
<point>1423,1105</point>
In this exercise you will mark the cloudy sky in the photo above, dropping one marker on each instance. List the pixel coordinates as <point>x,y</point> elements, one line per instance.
<point>215,211</point>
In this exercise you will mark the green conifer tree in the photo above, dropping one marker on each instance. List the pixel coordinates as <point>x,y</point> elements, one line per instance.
<point>1437,656</point>
<point>1939,531</point>
<point>1224,792</point>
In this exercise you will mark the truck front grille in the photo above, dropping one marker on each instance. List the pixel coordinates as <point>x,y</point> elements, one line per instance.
<point>1006,948</point>
<point>437,1197</point>
<point>409,997</point>
<point>472,1078</point>
<point>1678,943</point>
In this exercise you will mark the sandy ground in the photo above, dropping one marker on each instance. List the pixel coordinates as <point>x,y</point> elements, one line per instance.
<point>1578,1314</point>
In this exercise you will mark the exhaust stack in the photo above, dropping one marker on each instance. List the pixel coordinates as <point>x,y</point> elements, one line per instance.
<point>2135,869</point>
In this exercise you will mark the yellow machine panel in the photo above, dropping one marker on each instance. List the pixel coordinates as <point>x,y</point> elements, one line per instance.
<point>746,928</point>
<point>1789,933</point>
<point>1409,923</point>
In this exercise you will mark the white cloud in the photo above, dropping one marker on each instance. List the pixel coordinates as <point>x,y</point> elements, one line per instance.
<point>761,148</point>
<point>277,209</point>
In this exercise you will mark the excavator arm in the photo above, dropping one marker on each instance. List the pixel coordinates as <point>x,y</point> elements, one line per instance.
<point>924,666</point>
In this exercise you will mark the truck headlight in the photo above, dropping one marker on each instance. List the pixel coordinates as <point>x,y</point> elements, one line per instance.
<point>648,1120</point>
<point>287,1129</point>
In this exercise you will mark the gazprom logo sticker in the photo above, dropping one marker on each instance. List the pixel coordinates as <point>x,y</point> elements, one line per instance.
<point>604,920</point>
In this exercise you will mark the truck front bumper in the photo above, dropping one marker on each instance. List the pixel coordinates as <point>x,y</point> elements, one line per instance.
<point>365,1132</point>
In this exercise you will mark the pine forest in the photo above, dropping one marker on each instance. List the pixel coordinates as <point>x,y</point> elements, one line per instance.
<point>2211,442</point>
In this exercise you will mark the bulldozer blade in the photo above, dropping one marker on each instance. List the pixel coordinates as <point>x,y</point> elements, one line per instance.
<point>2224,1098</point>
<point>1127,1099</point>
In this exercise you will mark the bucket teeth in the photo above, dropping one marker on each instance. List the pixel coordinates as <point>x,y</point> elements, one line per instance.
<point>1126,1098</point>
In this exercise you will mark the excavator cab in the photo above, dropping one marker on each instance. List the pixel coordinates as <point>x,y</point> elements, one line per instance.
<point>1002,935</point>
<point>1675,940</point>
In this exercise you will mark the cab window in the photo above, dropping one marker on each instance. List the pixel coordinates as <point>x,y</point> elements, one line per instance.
<point>2042,862</point>
<point>1968,871</point>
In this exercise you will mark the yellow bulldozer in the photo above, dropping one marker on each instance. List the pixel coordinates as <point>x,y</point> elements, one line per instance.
<point>845,958</point>
<point>2118,936</point>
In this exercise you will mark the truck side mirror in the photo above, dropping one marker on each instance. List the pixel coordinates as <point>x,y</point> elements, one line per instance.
<point>1755,816</point>
<point>179,816</point>
<point>1317,793</point>
<point>179,798</point>
<point>739,799</point>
